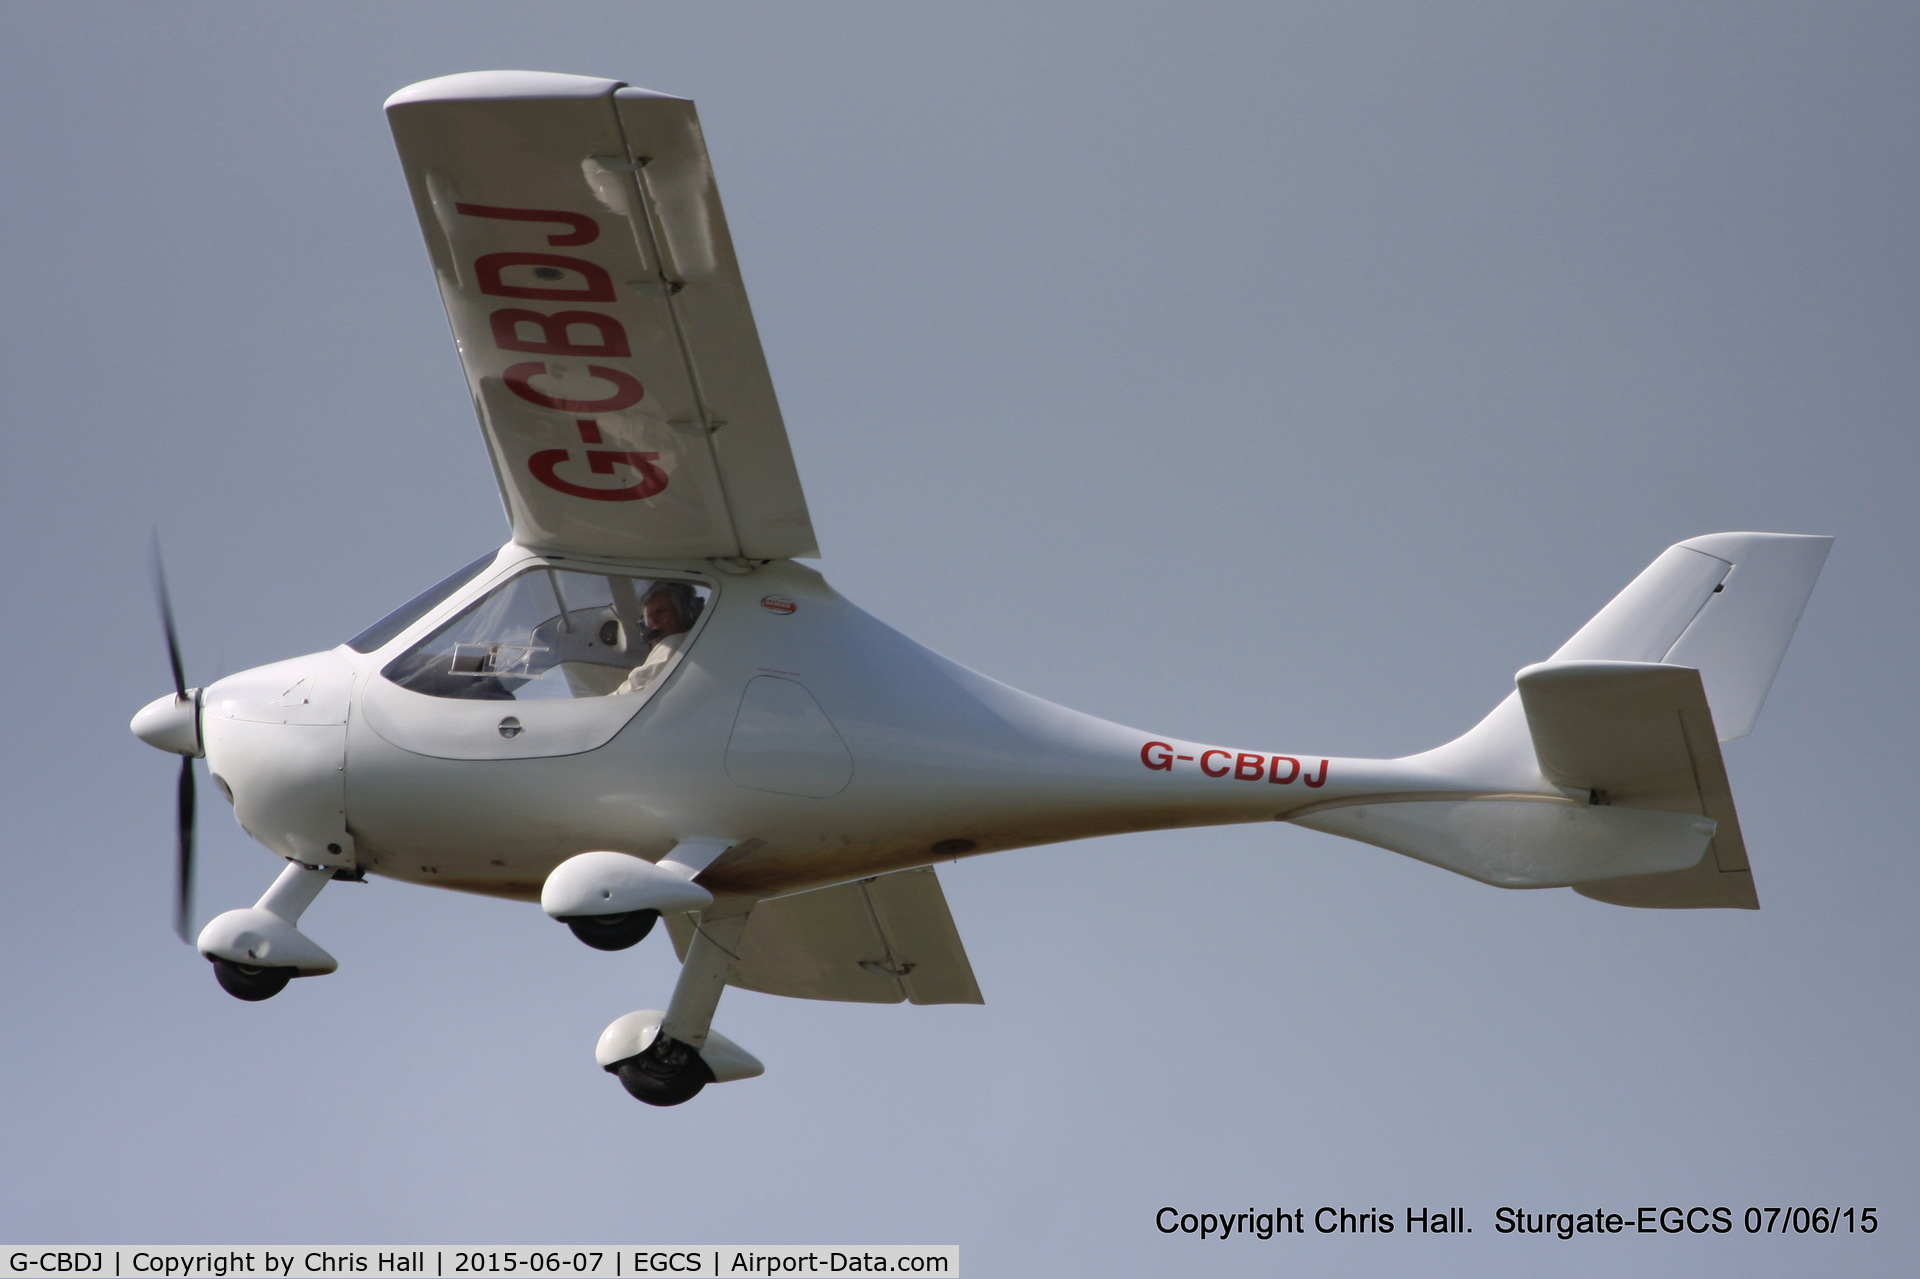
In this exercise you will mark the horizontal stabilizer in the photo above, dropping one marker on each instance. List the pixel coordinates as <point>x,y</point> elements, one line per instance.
<point>1639,735</point>
<point>1616,727</point>
<point>873,941</point>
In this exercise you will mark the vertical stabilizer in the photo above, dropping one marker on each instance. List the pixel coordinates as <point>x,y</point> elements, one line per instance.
<point>1739,636</point>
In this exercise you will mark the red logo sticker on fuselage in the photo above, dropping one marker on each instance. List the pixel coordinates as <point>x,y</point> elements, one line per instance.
<point>777,604</point>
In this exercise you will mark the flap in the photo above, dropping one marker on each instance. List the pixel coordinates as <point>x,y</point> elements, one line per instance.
<point>598,309</point>
<point>1640,735</point>
<point>873,941</point>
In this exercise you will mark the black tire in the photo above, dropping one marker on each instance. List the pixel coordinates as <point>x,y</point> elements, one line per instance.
<point>613,932</point>
<point>244,981</point>
<point>666,1074</point>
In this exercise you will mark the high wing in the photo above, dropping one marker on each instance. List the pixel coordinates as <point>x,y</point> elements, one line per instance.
<point>590,280</point>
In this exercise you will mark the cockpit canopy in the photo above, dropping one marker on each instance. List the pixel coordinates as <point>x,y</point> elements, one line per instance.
<point>550,633</point>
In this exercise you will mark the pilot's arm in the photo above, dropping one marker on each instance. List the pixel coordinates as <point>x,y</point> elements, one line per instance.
<point>643,675</point>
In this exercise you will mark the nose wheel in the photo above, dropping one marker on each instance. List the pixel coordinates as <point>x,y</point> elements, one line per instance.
<point>258,950</point>
<point>251,983</point>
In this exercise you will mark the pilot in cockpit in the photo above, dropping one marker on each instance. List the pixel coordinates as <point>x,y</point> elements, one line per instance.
<point>668,609</point>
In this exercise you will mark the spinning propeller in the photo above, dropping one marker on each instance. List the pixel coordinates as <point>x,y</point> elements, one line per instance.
<point>173,724</point>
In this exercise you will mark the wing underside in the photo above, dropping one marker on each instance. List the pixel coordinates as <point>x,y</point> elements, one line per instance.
<point>599,313</point>
<point>874,941</point>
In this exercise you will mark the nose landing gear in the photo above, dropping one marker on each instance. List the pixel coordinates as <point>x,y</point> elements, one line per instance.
<point>257,951</point>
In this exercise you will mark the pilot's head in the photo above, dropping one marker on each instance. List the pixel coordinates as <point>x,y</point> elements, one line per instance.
<point>668,609</point>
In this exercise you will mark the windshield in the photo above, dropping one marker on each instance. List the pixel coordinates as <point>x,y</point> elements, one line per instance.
<point>382,631</point>
<point>556,633</point>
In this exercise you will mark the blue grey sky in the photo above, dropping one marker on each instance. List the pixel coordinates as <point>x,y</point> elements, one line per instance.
<point>1283,376</point>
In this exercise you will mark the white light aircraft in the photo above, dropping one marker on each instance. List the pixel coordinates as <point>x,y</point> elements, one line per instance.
<point>643,707</point>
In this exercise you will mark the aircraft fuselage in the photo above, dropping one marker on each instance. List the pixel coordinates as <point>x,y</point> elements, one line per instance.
<point>819,742</point>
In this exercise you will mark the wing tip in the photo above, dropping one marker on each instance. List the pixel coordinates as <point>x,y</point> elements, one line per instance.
<point>469,86</point>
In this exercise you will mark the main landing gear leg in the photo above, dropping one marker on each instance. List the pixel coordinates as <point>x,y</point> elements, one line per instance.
<point>669,1067</point>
